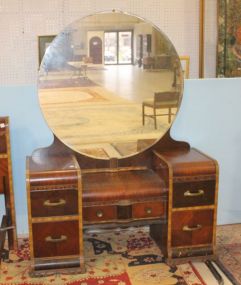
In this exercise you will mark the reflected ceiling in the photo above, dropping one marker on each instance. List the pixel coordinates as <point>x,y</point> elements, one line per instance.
<point>110,85</point>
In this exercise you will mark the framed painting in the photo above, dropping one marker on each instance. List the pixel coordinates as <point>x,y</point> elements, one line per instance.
<point>43,43</point>
<point>229,38</point>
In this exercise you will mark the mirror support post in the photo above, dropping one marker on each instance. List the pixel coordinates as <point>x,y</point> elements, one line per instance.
<point>201,37</point>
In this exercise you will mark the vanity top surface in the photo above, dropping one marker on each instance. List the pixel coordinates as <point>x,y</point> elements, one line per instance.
<point>124,185</point>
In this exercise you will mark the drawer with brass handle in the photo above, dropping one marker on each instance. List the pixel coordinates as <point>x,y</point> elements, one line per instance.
<point>54,203</point>
<point>192,227</point>
<point>99,213</point>
<point>55,238</point>
<point>148,209</point>
<point>197,193</point>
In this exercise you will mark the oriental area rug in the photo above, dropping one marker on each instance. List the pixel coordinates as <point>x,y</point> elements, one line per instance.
<point>130,257</point>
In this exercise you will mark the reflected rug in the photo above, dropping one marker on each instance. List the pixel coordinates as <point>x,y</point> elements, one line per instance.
<point>130,257</point>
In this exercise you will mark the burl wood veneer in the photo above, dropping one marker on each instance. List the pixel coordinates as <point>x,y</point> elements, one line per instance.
<point>170,186</point>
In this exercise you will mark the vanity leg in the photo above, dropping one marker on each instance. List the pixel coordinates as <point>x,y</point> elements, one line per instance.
<point>159,233</point>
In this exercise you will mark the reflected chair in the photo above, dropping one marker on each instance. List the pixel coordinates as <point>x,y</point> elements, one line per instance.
<point>161,100</point>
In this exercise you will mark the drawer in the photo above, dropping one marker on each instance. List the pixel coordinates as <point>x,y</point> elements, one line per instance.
<point>99,213</point>
<point>192,227</point>
<point>3,175</point>
<point>196,193</point>
<point>3,141</point>
<point>51,239</point>
<point>148,210</point>
<point>54,203</point>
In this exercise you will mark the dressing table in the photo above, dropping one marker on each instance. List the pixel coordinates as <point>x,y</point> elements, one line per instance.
<point>97,173</point>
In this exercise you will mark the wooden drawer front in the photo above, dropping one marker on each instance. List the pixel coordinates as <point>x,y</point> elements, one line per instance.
<point>193,193</point>
<point>55,239</point>
<point>3,175</point>
<point>148,209</point>
<point>192,227</point>
<point>3,141</point>
<point>99,213</point>
<point>54,203</point>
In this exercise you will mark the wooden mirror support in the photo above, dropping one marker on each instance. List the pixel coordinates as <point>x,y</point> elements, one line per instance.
<point>161,182</point>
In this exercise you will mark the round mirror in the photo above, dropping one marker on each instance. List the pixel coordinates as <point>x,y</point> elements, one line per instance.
<point>110,85</point>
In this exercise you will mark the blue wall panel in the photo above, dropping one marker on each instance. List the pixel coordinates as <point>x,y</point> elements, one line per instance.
<point>209,119</point>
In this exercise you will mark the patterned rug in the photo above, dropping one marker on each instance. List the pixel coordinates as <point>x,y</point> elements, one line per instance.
<point>129,257</point>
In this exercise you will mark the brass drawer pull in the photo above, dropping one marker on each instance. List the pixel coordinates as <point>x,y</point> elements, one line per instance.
<point>51,239</point>
<point>99,214</point>
<point>47,203</point>
<point>189,193</point>
<point>148,211</point>
<point>191,229</point>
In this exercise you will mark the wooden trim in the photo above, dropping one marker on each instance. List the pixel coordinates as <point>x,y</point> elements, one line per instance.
<point>201,37</point>
<point>193,246</point>
<point>80,205</point>
<point>124,221</point>
<point>123,202</point>
<point>39,259</point>
<point>3,155</point>
<point>11,190</point>
<point>215,207</point>
<point>170,199</point>
<point>54,219</point>
<point>29,210</point>
<point>8,191</point>
<point>118,169</point>
<point>193,208</point>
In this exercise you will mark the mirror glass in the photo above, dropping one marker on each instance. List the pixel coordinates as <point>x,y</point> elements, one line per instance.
<point>110,85</point>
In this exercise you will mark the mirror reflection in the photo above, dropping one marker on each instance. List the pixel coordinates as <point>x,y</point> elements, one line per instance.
<point>110,85</point>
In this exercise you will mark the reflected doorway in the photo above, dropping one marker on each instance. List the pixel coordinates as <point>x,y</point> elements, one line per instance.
<point>96,50</point>
<point>118,47</point>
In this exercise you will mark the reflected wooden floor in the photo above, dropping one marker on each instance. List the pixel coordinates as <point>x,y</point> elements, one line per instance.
<point>94,120</point>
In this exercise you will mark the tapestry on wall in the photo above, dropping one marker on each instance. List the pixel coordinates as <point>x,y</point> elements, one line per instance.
<point>229,38</point>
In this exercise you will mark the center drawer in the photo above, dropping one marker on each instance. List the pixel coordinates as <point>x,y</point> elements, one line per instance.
<point>99,213</point>
<point>106,213</point>
<point>55,238</point>
<point>46,203</point>
<point>148,210</point>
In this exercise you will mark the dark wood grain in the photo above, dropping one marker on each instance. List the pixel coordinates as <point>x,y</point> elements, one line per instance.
<point>43,248</point>
<point>145,188</point>
<point>194,193</point>
<point>149,209</point>
<point>54,203</point>
<point>192,219</point>
<point>99,213</point>
<point>123,185</point>
<point>6,182</point>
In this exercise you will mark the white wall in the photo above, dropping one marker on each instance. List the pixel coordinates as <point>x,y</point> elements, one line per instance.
<point>22,21</point>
